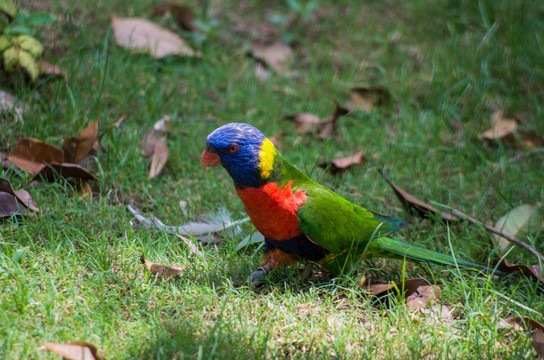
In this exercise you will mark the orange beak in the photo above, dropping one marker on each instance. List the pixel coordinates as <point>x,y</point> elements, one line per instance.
<point>209,159</point>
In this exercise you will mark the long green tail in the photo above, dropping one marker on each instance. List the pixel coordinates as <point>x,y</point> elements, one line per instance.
<point>387,247</point>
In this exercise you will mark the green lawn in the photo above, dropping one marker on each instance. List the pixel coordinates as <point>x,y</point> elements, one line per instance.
<point>72,272</point>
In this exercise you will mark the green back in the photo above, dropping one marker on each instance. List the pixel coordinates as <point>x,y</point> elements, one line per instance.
<point>328,219</point>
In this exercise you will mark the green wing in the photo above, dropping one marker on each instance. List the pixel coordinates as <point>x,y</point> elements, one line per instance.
<point>331,221</point>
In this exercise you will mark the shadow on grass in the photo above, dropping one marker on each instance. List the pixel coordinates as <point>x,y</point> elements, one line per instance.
<point>184,340</point>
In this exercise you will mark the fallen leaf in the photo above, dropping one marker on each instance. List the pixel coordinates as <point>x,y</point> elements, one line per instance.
<point>160,156</point>
<point>304,122</point>
<point>142,35</point>
<point>31,155</point>
<point>183,205</point>
<point>519,222</point>
<point>25,198</point>
<point>416,292</point>
<point>339,165</point>
<point>52,171</point>
<point>524,323</point>
<point>506,131</point>
<point>416,206</point>
<point>219,222</point>
<point>192,247</point>
<point>8,103</point>
<point>22,195</point>
<point>76,148</point>
<point>366,98</point>
<point>251,239</point>
<point>76,350</point>
<point>154,134</point>
<point>424,293</point>
<point>183,15</point>
<point>9,205</point>
<point>162,271</point>
<point>330,123</point>
<point>261,72</point>
<point>409,285</point>
<point>274,55</point>
<point>533,271</point>
<point>84,190</point>
<point>50,69</point>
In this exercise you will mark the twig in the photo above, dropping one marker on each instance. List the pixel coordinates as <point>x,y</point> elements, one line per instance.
<point>493,230</point>
<point>526,153</point>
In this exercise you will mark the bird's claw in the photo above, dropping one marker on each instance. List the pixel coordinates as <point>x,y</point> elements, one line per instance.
<point>256,277</point>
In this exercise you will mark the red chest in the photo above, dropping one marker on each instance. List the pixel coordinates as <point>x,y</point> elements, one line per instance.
<point>273,210</point>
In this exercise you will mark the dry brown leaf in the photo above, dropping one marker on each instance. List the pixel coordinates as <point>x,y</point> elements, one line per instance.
<point>330,123</point>
<point>533,271</point>
<point>9,205</point>
<point>416,206</point>
<point>160,156</point>
<point>153,135</point>
<point>162,271</point>
<point>190,245</point>
<point>49,69</point>
<point>25,198</point>
<point>366,98</point>
<point>340,165</point>
<point>410,286</point>
<point>524,323</point>
<point>261,73</point>
<point>31,155</point>
<point>506,131</point>
<point>66,170</point>
<point>423,294</point>
<point>304,122</point>
<point>76,350</point>
<point>84,190</point>
<point>77,148</point>
<point>22,195</point>
<point>183,15</point>
<point>273,55</point>
<point>145,36</point>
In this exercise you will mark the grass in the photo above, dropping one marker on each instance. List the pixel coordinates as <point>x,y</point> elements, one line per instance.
<point>72,272</point>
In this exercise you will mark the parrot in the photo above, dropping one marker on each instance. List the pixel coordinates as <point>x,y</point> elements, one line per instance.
<point>299,218</point>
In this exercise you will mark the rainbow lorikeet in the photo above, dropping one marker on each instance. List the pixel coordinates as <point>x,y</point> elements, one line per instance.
<point>299,218</point>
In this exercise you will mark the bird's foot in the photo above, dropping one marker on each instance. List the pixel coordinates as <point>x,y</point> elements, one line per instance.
<point>256,277</point>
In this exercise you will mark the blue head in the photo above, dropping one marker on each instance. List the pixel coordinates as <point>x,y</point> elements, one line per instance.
<point>246,154</point>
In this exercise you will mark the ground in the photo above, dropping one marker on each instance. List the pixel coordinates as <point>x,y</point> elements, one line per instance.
<point>72,272</point>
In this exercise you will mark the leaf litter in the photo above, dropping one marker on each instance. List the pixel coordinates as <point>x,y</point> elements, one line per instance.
<point>507,131</point>
<point>76,350</point>
<point>155,145</point>
<point>162,271</point>
<point>520,222</point>
<point>142,35</point>
<point>183,15</point>
<point>521,323</point>
<point>274,55</point>
<point>367,98</point>
<point>310,123</point>
<point>217,222</point>
<point>343,164</point>
<point>415,206</point>
<point>21,196</point>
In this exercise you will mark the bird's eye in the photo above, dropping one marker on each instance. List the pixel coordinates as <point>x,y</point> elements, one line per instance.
<point>233,148</point>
